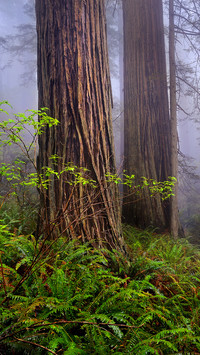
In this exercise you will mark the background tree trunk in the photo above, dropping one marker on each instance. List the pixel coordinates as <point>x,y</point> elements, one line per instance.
<point>74,83</point>
<point>173,118</point>
<point>146,110</point>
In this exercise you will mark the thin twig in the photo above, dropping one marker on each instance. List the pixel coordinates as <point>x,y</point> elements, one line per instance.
<point>4,282</point>
<point>35,344</point>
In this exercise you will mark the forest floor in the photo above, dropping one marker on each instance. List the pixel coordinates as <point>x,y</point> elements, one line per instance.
<point>68,298</point>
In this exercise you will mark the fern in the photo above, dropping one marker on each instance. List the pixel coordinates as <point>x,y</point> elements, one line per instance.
<point>74,350</point>
<point>78,300</point>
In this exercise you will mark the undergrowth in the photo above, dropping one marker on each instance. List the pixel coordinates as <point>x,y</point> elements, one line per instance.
<point>67,298</point>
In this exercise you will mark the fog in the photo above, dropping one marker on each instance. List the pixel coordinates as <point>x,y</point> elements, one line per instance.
<point>19,84</point>
<point>17,61</point>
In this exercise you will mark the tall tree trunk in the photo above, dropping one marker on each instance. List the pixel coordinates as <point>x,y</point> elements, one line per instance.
<point>121,71</point>
<point>173,117</point>
<point>146,110</point>
<point>74,83</point>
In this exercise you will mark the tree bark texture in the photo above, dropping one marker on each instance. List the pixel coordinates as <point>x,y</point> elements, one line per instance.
<point>146,110</point>
<point>74,83</point>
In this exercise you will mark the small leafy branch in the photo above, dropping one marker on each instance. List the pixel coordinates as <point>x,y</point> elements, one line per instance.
<point>164,188</point>
<point>12,132</point>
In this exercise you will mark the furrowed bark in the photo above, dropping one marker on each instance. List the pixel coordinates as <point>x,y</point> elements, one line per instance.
<point>74,83</point>
<point>147,147</point>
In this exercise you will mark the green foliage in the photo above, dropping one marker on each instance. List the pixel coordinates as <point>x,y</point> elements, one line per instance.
<point>164,188</point>
<point>12,129</point>
<point>77,300</point>
<point>11,132</point>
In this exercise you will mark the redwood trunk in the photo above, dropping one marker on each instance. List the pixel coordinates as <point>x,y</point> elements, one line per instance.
<point>146,111</point>
<point>74,83</point>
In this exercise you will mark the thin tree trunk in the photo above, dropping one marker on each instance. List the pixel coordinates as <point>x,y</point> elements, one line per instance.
<point>121,71</point>
<point>74,83</point>
<point>173,116</point>
<point>146,110</point>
